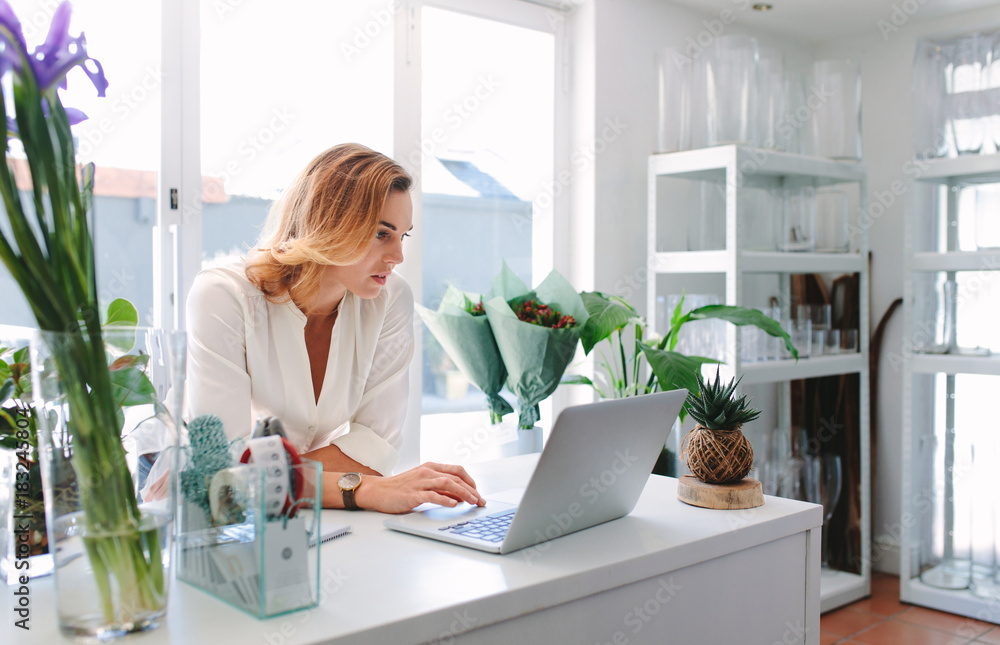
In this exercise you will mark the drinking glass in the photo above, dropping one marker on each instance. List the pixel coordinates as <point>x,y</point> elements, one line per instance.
<point>698,337</point>
<point>795,129</point>
<point>771,97</point>
<point>985,530</point>
<point>988,210</point>
<point>800,332</point>
<point>966,105</point>
<point>827,468</point>
<point>930,94</point>
<point>837,120</point>
<point>832,342</point>
<point>731,83</point>
<point>759,218</point>
<point>708,232</point>
<point>935,312</point>
<point>819,314</point>
<point>675,74</point>
<point>798,219</point>
<point>944,545</point>
<point>832,235</point>
<point>992,80</point>
<point>848,341</point>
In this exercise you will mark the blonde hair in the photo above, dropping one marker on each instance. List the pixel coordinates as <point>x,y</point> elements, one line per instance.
<point>329,215</point>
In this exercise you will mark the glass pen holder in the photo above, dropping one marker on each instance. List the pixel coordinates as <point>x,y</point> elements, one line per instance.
<point>247,543</point>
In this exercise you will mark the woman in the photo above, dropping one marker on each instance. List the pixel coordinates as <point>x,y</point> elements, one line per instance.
<point>316,329</point>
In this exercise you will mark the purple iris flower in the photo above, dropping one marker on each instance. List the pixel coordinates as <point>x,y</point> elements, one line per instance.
<point>52,59</point>
<point>60,53</point>
<point>12,45</point>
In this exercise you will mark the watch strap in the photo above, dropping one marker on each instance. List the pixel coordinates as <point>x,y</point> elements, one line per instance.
<point>348,494</point>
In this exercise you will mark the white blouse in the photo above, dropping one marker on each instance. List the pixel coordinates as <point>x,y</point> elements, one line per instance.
<point>247,358</point>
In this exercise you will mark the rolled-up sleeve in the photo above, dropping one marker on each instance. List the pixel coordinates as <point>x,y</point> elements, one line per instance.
<point>376,428</point>
<point>217,378</point>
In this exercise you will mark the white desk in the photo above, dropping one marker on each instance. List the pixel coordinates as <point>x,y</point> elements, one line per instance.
<point>667,573</point>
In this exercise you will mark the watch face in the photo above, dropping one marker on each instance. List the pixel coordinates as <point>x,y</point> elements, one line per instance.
<point>349,481</point>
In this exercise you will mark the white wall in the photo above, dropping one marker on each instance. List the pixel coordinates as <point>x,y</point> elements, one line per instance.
<point>886,57</point>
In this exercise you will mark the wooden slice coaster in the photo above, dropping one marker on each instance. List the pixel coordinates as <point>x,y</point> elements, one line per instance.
<point>746,493</point>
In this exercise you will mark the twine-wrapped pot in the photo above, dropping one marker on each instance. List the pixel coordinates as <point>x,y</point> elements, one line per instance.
<point>717,456</point>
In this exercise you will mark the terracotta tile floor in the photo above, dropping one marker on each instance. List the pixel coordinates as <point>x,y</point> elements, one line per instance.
<point>883,620</point>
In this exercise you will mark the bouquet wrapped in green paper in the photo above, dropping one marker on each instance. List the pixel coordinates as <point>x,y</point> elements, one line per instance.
<point>462,329</point>
<point>536,332</point>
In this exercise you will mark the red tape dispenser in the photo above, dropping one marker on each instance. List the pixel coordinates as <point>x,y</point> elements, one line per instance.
<point>283,483</point>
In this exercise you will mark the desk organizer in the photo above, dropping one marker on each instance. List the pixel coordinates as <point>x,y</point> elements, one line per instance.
<point>244,535</point>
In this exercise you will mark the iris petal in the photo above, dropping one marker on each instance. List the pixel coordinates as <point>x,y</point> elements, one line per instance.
<point>59,53</point>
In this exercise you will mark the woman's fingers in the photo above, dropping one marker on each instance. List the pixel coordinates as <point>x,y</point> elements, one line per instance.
<point>452,469</point>
<point>453,487</point>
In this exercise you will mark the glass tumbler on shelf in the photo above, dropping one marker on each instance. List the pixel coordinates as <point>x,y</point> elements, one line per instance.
<point>826,468</point>
<point>798,219</point>
<point>759,218</point>
<point>771,96</point>
<point>944,554</point>
<point>992,80</point>
<point>935,310</point>
<point>966,100</point>
<point>674,126</point>
<point>985,517</point>
<point>930,96</point>
<point>731,84</point>
<point>988,212</point>
<point>832,234</point>
<point>837,122</point>
<point>708,232</point>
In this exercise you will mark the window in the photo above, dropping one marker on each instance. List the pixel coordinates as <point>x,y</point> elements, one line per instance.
<point>278,88</point>
<point>121,137</point>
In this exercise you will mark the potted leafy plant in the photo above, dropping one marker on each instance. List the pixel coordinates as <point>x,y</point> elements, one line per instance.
<point>621,371</point>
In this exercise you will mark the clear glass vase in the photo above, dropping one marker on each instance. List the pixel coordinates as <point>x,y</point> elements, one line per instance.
<point>112,553</point>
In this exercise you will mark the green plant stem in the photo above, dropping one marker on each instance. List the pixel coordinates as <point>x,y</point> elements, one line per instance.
<point>621,351</point>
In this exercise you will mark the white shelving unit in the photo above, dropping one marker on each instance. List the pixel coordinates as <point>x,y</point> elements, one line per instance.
<point>950,173</point>
<point>738,166</point>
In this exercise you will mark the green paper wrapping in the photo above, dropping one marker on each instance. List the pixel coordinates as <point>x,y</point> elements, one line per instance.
<point>535,356</point>
<point>469,342</point>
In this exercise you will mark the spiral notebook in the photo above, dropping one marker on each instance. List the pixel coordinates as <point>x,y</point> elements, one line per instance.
<point>330,531</point>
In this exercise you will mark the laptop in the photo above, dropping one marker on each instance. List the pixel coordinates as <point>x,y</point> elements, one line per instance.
<point>592,470</point>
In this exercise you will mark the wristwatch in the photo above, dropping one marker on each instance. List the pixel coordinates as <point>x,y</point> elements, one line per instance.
<point>349,483</point>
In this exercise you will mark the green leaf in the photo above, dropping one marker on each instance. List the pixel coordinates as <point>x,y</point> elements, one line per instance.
<point>22,355</point>
<point>674,370</point>
<point>122,313</point>
<point>6,389</point>
<point>742,316</point>
<point>129,383</point>
<point>606,316</point>
<point>577,379</point>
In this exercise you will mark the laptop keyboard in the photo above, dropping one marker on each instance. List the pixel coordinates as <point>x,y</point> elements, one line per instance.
<point>490,528</point>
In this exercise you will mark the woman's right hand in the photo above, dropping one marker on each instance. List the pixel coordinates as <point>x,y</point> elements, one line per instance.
<point>443,484</point>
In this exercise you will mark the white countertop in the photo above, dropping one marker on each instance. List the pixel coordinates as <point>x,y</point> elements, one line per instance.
<point>381,586</point>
